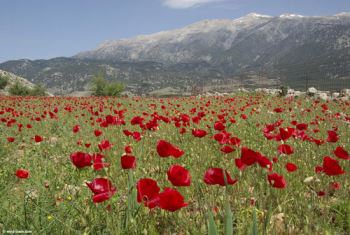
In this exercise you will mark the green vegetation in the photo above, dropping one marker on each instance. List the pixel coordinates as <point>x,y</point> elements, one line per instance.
<point>18,89</point>
<point>54,197</point>
<point>3,82</point>
<point>102,87</point>
<point>283,91</point>
<point>38,90</point>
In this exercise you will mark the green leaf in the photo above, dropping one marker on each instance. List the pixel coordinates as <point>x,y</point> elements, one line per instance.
<point>255,224</point>
<point>212,230</point>
<point>228,220</point>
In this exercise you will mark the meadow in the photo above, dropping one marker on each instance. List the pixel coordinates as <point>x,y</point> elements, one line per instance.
<point>243,164</point>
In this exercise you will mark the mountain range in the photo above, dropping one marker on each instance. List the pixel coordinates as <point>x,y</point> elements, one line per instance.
<point>254,49</point>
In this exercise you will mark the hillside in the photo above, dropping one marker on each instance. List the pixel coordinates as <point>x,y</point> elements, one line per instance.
<point>251,50</point>
<point>12,78</point>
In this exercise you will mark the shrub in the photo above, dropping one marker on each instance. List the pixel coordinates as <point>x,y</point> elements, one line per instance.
<point>3,82</point>
<point>101,87</point>
<point>283,91</point>
<point>98,85</point>
<point>19,90</point>
<point>38,90</point>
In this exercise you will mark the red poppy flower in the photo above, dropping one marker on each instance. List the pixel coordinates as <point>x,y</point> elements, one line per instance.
<point>235,141</point>
<point>244,116</point>
<point>10,139</point>
<point>165,149</point>
<point>110,119</point>
<point>182,131</point>
<point>321,193</point>
<point>285,134</point>
<point>104,145</point>
<point>99,164</point>
<point>248,156</point>
<point>239,164</point>
<point>97,133</point>
<point>171,200</point>
<point>222,137</point>
<point>102,189</point>
<point>317,141</point>
<point>334,185</point>
<point>38,138</point>
<point>199,133</point>
<point>264,161</point>
<point>136,136</point>
<point>275,159</point>
<point>219,126</point>
<point>302,126</point>
<point>22,174</point>
<point>127,133</point>
<point>340,152</point>
<point>196,119</point>
<point>276,180</point>
<point>332,136</point>
<point>136,120</point>
<point>291,167</point>
<point>148,192</point>
<point>128,149</point>
<point>318,169</point>
<point>215,176</point>
<point>278,110</point>
<point>179,176</point>
<point>76,128</point>
<point>227,149</point>
<point>80,159</point>
<point>331,167</point>
<point>285,149</point>
<point>128,162</point>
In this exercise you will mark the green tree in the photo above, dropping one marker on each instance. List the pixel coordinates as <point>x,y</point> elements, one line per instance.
<point>3,82</point>
<point>101,87</point>
<point>98,85</point>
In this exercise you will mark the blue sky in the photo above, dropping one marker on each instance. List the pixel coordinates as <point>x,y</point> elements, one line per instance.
<point>41,29</point>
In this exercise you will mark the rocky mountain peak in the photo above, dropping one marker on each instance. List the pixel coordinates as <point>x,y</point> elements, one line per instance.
<point>291,16</point>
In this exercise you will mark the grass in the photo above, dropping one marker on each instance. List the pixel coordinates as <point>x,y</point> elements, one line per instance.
<point>251,206</point>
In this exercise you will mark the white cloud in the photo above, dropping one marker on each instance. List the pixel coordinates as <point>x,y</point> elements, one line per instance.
<point>182,4</point>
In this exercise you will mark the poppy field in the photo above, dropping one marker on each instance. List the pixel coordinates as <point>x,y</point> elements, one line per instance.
<point>242,164</point>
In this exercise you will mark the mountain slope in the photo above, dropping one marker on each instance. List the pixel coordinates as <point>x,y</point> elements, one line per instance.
<point>225,41</point>
<point>12,78</point>
<point>193,43</point>
<point>285,48</point>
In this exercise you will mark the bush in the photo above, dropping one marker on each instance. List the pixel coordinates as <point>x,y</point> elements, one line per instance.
<point>20,90</point>
<point>113,89</point>
<point>283,91</point>
<point>38,90</point>
<point>3,82</point>
<point>101,87</point>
